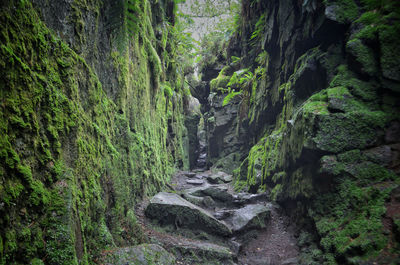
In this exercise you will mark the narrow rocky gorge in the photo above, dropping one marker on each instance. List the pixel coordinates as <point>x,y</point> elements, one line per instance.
<point>274,139</point>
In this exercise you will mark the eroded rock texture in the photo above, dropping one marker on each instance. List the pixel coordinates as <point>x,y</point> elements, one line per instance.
<point>315,120</point>
<point>91,120</point>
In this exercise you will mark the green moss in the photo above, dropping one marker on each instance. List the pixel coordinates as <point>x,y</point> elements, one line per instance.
<point>67,143</point>
<point>390,51</point>
<point>60,245</point>
<point>345,11</point>
<point>351,223</point>
<point>339,132</point>
<point>300,184</point>
<point>11,190</point>
<point>276,191</point>
<point>353,156</point>
<point>278,177</point>
<point>240,185</point>
<point>338,93</point>
<point>369,17</point>
<point>221,81</point>
<point>345,78</point>
<point>368,33</point>
<point>10,244</point>
<point>36,261</point>
<point>320,96</point>
<point>363,55</point>
<point>167,90</point>
<point>349,219</point>
<point>316,107</point>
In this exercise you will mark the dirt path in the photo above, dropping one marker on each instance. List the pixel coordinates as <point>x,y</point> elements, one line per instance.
<point>273,245</point>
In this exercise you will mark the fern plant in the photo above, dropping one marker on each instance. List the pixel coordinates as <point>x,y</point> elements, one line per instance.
<point>124,21</point>
<point>132,15</point>
<point>230,96</point>
<point>258,30</point>
<point>241,80</point>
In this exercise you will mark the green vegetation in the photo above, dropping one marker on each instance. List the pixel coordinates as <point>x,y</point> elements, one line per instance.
<point>351,223</point>
<point>74,160</point>
<point>349,189</point>
<point>92,119</point>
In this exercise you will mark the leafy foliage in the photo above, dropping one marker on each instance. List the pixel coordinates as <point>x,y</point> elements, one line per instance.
<point>258,29</point>
<point>230,96</point>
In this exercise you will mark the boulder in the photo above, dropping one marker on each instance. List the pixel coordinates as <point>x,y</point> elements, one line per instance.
<point>193,199</point>
<point>227,178</point>
<point>200,252</point>
<point>248,198</point>
<point>220,177</point>
<point>235,246</point>
<point>195,181</point>
<point>252,216</point>
<point>223,214</point>
<point>142,254</point>
<point>173,209</point>
<point>219,193</point>
<point>208,202</point>
<point>190,174</point>
<point>214,179</point>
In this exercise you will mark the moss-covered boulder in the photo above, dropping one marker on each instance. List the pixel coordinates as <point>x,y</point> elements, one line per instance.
<point>145,254</point>
<point>203,253</point>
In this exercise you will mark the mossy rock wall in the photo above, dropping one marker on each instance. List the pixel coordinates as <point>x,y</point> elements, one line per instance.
<point>86,126</point>
<point>324,120</point>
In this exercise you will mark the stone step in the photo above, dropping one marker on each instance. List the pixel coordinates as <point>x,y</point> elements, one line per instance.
<point>248,198</point>
<point>196,182</point>
<point>170,208</point>
<point>217,192</point>
<point>203,253</point>
<point>219,178</point>
<point>146,254</point>
<point>252,216</point>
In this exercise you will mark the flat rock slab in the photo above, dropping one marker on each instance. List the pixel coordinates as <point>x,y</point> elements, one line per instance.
<point>193,199</point>
<point>203,251</point>
<point>190,174</point>
<point>248,198</point>
<point>195,181</point>
<point>252,216</point>
<point>146,254</point>
<point>216,192</point>
<point>220,177</point>
<point>173,209</point>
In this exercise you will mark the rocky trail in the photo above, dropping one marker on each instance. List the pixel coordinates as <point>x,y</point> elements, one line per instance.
<point>201,220</point>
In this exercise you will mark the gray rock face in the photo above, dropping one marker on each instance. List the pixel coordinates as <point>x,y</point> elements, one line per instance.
<point>173,209</point>
<point>225,144</point>
<point>191,123</point>
<point>252,216</point>
<point>145,254</point>
<point>330,12</point>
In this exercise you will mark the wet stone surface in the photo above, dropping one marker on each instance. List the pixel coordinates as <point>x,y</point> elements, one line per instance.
<point>203,221</point>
